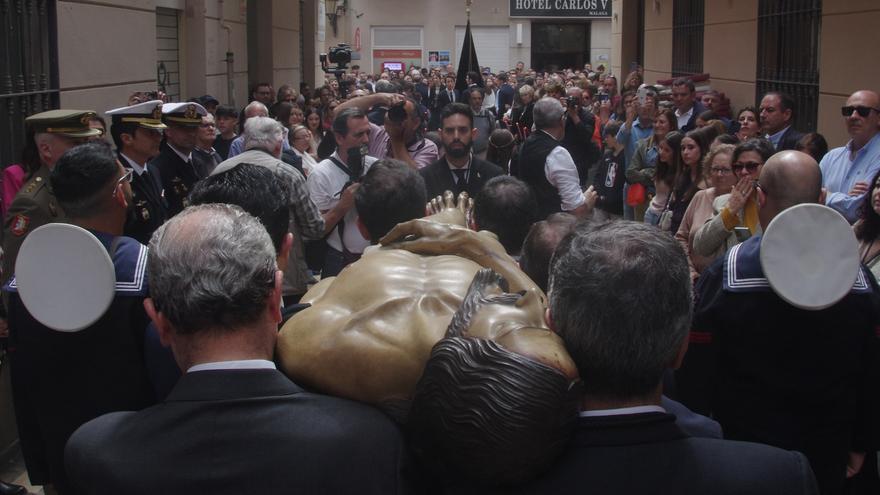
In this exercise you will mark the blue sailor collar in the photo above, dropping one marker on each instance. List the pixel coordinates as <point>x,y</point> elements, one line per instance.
<point>743,272</point>
<point>129,260</point>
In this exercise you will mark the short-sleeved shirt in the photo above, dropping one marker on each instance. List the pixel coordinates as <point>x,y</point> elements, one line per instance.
<point>423,152</point>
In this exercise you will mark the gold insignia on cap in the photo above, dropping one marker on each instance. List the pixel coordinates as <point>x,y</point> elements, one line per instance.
<point>191,112</point>
<point>157,112</point>
<point>85,119</point>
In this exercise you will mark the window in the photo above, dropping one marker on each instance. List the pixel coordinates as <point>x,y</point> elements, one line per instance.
<point>788,55</point>
<point>687,37</point>
<point>28,70</point>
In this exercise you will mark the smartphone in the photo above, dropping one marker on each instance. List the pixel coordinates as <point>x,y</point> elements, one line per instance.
<point>602,97</point>
<point>742,233</point>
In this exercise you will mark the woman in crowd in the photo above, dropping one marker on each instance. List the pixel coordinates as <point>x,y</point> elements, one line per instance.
<point>690,179</point>
<point>717,167</point>
<point>642,166</point>
<point>521,116</point>
<point>668,165</point>
<point>749,125</point>
<point>740,207</point>
<point>867,229</point>
<point>283,112</point>
<point>301,142</point>
<point>313,123</point>
<point>813,144</point>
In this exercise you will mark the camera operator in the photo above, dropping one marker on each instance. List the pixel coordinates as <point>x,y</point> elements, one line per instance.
<point>580,127</point>
<point>400,137</point>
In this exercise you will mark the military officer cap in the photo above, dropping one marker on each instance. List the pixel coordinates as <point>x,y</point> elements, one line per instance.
<point>147,114</point>
<point>186,114</point>
<point>70,123</point>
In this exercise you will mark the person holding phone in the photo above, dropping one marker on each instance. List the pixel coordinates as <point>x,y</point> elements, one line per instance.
<point>739,208</point>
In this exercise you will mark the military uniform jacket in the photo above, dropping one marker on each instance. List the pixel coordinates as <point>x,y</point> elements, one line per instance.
<point>178,178</point>
<point>60,380</point>
<point>34,206</point>
<point>149,209</point>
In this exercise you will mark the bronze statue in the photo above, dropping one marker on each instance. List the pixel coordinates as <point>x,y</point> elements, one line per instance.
<point>446,297</point>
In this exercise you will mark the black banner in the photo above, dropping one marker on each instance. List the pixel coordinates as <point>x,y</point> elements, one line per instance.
<point>561,8</point>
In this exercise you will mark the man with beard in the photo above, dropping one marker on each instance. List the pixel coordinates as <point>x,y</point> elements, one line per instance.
<point>458,170</point>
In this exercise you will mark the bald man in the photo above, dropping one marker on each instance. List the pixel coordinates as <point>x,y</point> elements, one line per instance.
<point>775,374</point>
<point>847,171</point>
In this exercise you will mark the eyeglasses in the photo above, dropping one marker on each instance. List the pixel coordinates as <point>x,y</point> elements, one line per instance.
<point>721,171</point>
<point>750,166</point>
<point>126,177</point>
<point>862,111</point>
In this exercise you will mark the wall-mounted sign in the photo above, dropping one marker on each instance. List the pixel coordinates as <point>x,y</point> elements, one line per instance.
<point>395,54</point>
<point>590,9</point>
<point>438,58</point>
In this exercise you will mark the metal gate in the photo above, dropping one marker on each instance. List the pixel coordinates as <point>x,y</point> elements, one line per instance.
<point>28,69</point>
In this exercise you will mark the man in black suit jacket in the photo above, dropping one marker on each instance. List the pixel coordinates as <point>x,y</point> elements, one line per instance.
<point>777,116</point>
<point>687,107</point>
<point>625,441</point>
<point>448,94</point>
<point>136,131</point>
<point>458,170</point>
<point>176,163</point>
<point>233,423</point>
<point>504,100</point>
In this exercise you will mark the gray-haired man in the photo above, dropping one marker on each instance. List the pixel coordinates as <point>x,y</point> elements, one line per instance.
<point>263,138</point>
<point>236,423</point>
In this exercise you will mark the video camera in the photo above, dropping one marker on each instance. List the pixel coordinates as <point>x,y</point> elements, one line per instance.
<point>339,55</point>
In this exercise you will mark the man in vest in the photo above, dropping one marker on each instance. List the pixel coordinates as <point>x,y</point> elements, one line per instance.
<point>548,168</point>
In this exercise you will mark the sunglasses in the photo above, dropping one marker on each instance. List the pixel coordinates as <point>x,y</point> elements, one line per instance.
<point>750,166</point>
<point>862,111</point>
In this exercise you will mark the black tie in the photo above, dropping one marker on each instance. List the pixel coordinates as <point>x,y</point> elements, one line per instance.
<point>460,175</point>
<point>451,96</point>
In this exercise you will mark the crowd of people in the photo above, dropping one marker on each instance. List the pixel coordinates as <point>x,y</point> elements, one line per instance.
<point>624,223</point>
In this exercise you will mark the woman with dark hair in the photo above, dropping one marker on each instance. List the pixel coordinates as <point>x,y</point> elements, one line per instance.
<point>313,123</point>
<point>749,125</point>
<point>813,144</point>
<point>740,207</point>
<point>643,164</point>
<point>690,179</point>
<point>867,229</point>
<point>668,165</point>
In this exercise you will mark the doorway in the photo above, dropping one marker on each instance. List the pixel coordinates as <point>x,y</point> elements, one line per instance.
<point>560,46</point>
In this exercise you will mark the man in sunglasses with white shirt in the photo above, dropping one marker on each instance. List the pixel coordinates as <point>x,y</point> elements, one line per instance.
<point>848,170</point>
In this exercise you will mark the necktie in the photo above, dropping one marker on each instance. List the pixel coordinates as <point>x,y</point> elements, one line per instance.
<point>459,175</point>
<point>451,96</point>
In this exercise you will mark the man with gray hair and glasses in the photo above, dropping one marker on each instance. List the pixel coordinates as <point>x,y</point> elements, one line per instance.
<point>547,166</point>
<point>622,351</point>
<point>233,423</point>
<point>263,138</point>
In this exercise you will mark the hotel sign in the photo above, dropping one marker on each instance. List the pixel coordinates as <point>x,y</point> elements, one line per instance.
<point>590,9</point>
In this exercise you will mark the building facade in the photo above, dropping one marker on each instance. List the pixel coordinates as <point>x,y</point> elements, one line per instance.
<point>543,34</point>
<point>93,55</point>
<point>817,50</point>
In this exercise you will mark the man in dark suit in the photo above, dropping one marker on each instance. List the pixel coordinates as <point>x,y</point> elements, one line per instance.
<point>137,133</point>
<point>175,162</point>
<point>625,442</point>
<point>777,115</point>
<point>458,170</point>
<point>233,423</point>
<point>504,100</point>
<point>448,94</point>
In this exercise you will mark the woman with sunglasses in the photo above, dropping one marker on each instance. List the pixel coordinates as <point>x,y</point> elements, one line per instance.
<point>717,168</point>
<point>740,207</point>
<point>867,229</point>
